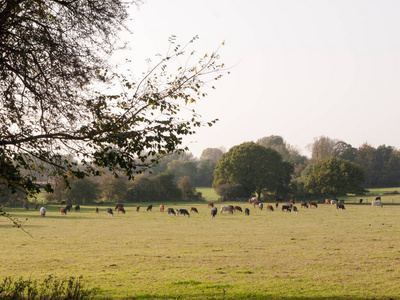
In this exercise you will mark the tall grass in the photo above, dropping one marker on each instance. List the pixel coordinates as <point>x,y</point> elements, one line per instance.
<point>50,288</point>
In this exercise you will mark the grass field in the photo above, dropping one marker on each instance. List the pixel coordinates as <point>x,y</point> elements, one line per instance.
<point>318,253</point>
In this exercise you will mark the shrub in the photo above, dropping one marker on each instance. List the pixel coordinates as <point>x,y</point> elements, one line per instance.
<point>50,288</point>
<point>231,191</point>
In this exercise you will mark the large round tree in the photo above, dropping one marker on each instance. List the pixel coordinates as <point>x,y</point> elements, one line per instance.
<point>335,176</point>
<point>254,167</point>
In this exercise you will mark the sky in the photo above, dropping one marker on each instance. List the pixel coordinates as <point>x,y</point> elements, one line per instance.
<point>298,69</point>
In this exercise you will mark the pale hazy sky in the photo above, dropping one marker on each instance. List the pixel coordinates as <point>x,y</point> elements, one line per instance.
<point>302,69</point>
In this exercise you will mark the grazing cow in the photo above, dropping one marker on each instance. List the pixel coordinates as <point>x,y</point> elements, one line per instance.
<point>334,202</point>
<point>118,205</point>
<point>137,208</point>
<point>96,210</point>
<point>361,200</point>
<point>294,209</point>
<point>150,207</point>
<point>161,208</point>
<point>247,212</point>
<point>183,212</point>
<point>276,204</point>
<point>121,209</point>
<point>313,204</point>
<point>171,211</point>
<point>214,211</point>
<point>270,208</point>
<point>340,206</point>
<point>327,201</point>
<point>36,205</point>
<point>63,211</point>
<point>194,209</point>
<point>378,199</point>
<point>377,203</point>
<point>291,201</point>
<point>77,208</point>
<point>210,204</point>
<point>256,203</point>
<point>110,212</point>
<point>43,211</point>
<point>304,204</point>
<point>238,208</point>
<point>260,206</point>
<point>68,207</point>
<point>228,208</point>
<point>286,207</point>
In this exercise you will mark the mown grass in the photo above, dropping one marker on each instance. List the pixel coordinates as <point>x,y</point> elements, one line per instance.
<point>318,253</point>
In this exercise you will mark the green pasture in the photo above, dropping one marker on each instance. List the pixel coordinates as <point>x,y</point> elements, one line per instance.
<point>318,253</point>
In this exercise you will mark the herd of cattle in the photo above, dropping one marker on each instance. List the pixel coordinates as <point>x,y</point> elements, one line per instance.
<point>230,209</point>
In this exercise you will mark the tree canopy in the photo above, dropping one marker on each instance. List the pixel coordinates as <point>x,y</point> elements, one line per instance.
<point>335,176</point>
<point>52,56</point>
<point>254,167</point>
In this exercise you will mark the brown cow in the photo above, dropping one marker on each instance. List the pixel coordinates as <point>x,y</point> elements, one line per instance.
<point>238,208</point>
<point>118,205</point>
<point>162,208</point>
<point>270,208</point>
<point>36,205</point>
<point>304,204</point>
<point>63,211</point>
<point>137,208</point>
<point>121,209</point>
<point>327,201</point>
<point>68,207</point>
<point>210,204</point>
<point>313,204</point>
<point>291,201</point>
<point>276,204</point>
<point>96,210</point>
<point>193,209</point>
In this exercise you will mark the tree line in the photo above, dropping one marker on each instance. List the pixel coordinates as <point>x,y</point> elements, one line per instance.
<point>268,168</point>
<point>334,168</point>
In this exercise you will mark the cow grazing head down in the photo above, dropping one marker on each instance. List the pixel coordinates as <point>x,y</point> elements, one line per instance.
<point>121,209</point>
<point>214,211</point>
<point>119,205</point>
<point>43,211</point>
<point>183,212</point>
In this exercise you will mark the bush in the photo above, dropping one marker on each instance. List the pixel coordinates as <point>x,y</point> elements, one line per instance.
<point>50,288</point>
<point>231,191</point>
<point>83,191</point>
<point>157,188</point>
